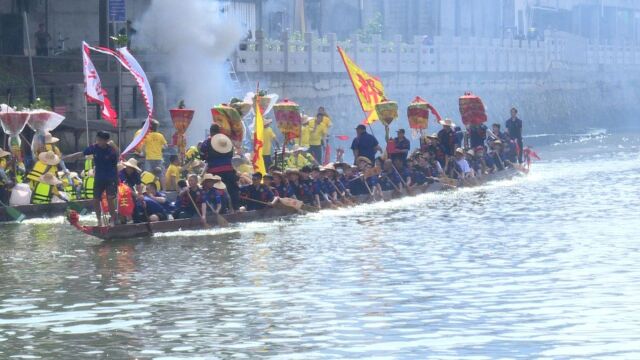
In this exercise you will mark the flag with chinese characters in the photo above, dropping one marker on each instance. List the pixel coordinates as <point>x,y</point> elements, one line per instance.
<point>93,88</point>
<point>369,89</point>
<point>258,141</point>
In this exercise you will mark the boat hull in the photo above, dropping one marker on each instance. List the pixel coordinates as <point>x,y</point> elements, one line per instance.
<point>130,231</point>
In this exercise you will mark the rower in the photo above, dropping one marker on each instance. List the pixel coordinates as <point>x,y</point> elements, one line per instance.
<point>223,195</point>
<point>50,142</point>
<point>477,135</point>
<point>293,183</point>
<point>46,189</point>
<point>130,175</point>
<point>461,169</point>
<point>210,197</point>
<point>402,147</point>
<point>47,163</point>
<point>148,177</point>
<point>151,208</point>
<point>447,137</point>
<point>496,154</point>
<point>189,197</point>
<point>389,179</point>
<point>257,192</point>
<point>317,189</point>
<point>5,181</point>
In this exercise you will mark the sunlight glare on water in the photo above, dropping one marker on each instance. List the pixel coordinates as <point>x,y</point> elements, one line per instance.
<point>545,266</point>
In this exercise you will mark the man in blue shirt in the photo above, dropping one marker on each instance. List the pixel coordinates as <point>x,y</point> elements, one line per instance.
<point>402,147</point>
<point>514,128</point>
<point>105,158</point>
<point>364,144</point>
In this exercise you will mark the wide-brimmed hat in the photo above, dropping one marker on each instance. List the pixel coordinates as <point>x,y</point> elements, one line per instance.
<point>496,142</point>
<point>4,153</point>
<point>340,165</point>
<point>221,143</point>
<point>365,159</point>
<point>50,179</point>
<point>291,171</point>
<point>49,158</point>
<point>132,163</point>
<point>50,139</point>
<point>197,163</point>
<point>220,185</point>
<point>471,152</point>
<point>72,174</point>
<point>299,148</point>
<point>206,177</point>
<point>460,151</point>
<point>306,119</point>
<point>267,122</point>
<point>433,136</point>
<point>447,122</point>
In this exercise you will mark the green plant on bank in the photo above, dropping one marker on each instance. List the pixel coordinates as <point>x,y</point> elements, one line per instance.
<point>374,27</point>
<point>40,104</point>
<point>120,40</point>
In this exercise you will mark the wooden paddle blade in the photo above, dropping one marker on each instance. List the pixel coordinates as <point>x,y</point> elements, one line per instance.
<point>297,204</point>
<point>15,214</point>
<point>222,222</point>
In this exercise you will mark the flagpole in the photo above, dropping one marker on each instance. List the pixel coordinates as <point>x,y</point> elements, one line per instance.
<point>86,117</point>
<point>120,111</point>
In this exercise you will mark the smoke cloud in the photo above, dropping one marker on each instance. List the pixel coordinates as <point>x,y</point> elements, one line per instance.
<point>194,41</point>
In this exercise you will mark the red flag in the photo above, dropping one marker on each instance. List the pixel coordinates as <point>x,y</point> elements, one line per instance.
<point>342,137</point>
<point>93,88</point>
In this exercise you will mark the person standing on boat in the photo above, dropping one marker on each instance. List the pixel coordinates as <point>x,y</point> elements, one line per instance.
<point>477,135</point>
<point>217,151</point>
<point>447,137</point>
<point>269,137</point>
<point>402,147</point>
<point>364,145</point>
<point>105,158</point>
<point>317,134</point>
<point>514,128</point>
<point>5,181</point>
<point>154,143</point>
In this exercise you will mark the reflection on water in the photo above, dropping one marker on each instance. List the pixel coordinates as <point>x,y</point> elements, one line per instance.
<point>540,267</point>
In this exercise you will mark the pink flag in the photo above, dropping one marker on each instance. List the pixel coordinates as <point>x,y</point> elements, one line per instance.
<point>93,88</point>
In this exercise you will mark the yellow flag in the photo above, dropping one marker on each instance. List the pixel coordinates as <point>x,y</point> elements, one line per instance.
<point>258,141</point>
<point>369,90</point>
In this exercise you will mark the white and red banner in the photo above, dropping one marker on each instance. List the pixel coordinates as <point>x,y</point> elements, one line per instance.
<point>131,64</point>
<point>93,88</point>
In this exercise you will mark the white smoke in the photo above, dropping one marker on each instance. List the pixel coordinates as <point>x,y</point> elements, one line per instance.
<point>194,41</point>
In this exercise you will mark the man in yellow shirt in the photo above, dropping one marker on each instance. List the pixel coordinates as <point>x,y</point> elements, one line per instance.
<point>304,132</point>
<point>299,158</point>
<point>172,175</point>
<point>153,145</point>
<point>317,134</point>
<point>268,137</point>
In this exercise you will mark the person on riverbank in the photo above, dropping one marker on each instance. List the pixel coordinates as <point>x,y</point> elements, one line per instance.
<point>105,158</point>
<point>514,128</point>
<point>364,145</point>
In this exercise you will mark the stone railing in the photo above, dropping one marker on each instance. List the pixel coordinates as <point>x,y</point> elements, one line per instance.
<point>440,54</point>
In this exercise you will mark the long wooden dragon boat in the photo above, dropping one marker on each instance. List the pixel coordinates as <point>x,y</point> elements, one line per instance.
<point>130,231</point>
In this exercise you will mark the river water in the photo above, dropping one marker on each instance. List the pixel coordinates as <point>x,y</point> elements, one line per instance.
<point>545,266</point>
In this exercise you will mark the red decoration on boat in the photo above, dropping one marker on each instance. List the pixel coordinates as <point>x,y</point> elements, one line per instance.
<point>181,120</point>
<point>288,118</point>
<point>472,109</point>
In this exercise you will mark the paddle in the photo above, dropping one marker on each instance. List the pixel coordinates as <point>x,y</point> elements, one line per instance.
<point>196,207</point>
<point>13,212</point>
<point>406,186</point>
<point>293,204</point>
<point>222,222</point>
<point>146,214</point>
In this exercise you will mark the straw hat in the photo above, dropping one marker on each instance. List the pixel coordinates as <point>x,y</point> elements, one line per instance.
<point>221,143</point>
<point>340,165</point>
<point>471,152</point>
<point>4,153</point>
<point>49,158</point>
<point>328,167</point>
<point>267,122</point>
<point>50,179</point>
<point>72,174</point>
<point>447,122</point>
<point>206,177</point>
<point>459,151</point>
<point>50,139</point>
<point>365,159</point>
<point>299,148</point>
<point>220,185</point>
<point>292,171</point>
<point>132,163</point>
<point>433,136</point>
<point>196,164</point>
<point>306,119</point>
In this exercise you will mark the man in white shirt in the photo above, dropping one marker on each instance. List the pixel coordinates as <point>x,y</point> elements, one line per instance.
<point>462,165</point>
